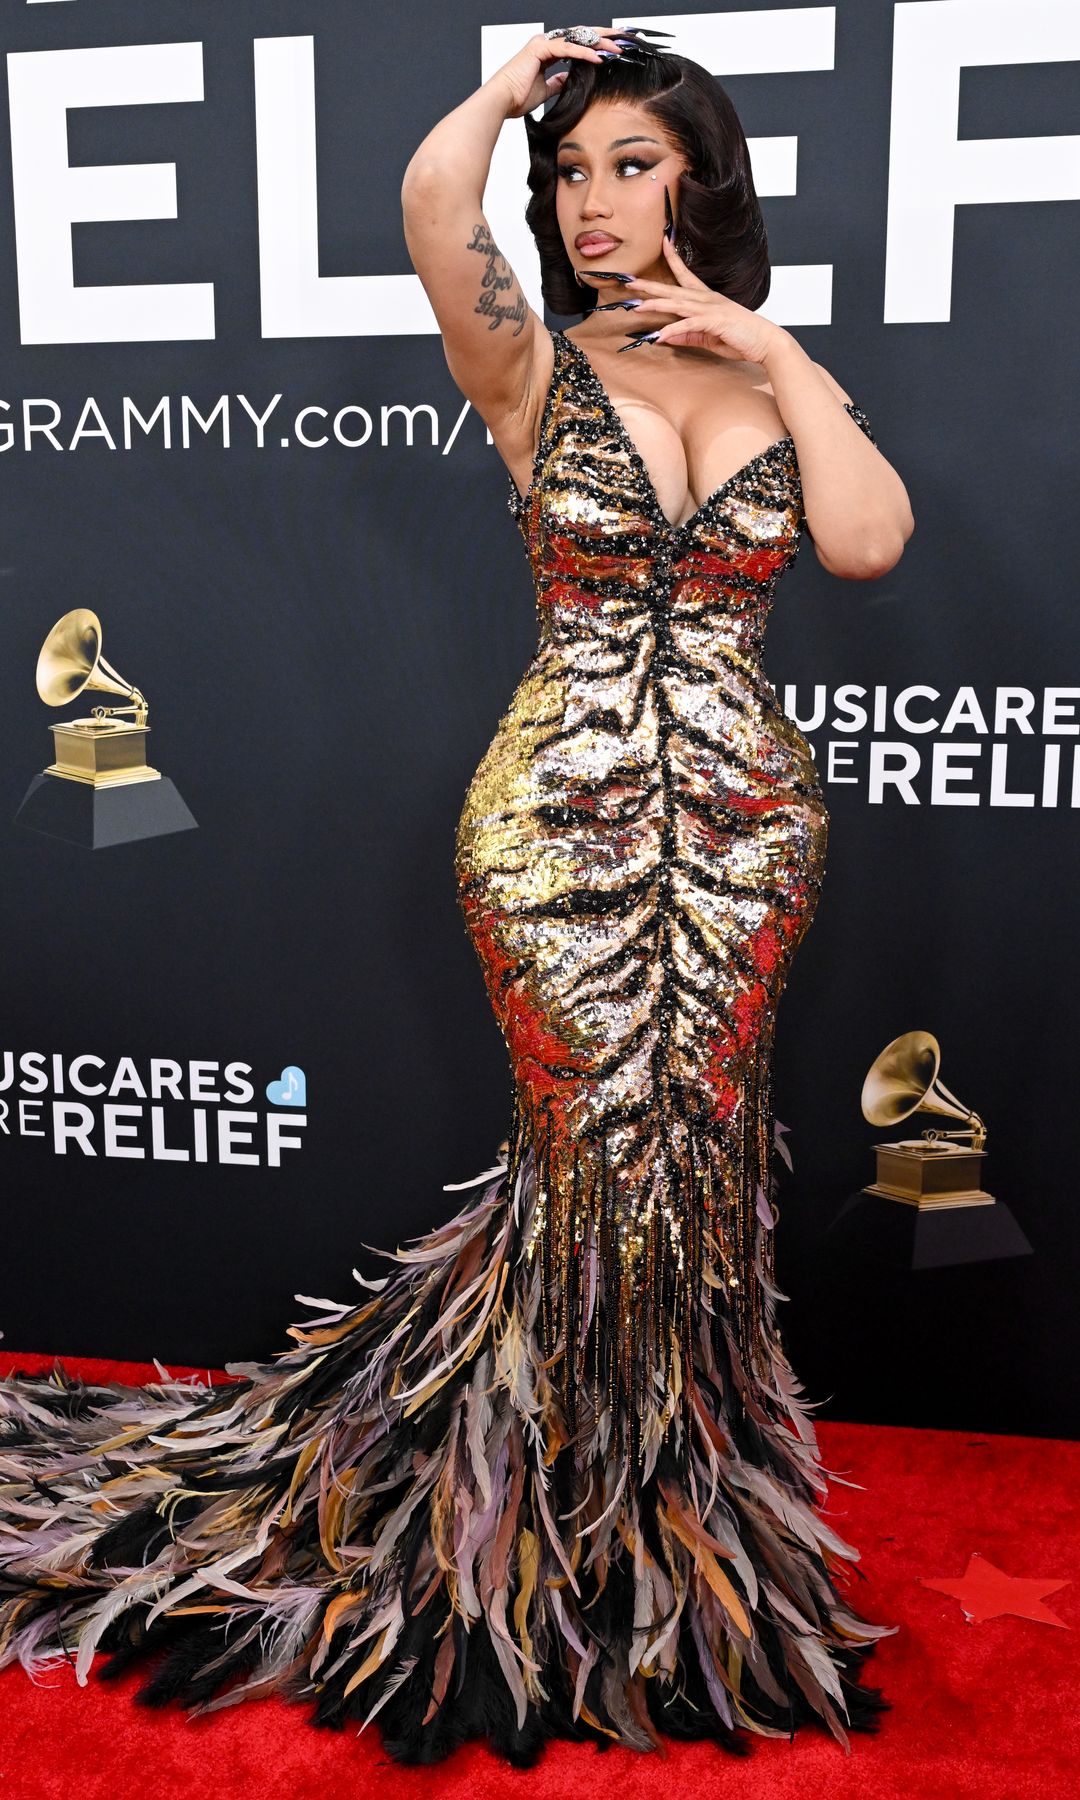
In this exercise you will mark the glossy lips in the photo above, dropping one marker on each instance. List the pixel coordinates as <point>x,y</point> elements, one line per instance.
<point>594,243</point>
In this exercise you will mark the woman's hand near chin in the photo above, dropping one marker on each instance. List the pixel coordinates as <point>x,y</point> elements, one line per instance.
<point>702,318</point>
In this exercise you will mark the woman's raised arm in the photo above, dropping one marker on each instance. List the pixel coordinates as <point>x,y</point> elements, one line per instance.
<point>491,335</point>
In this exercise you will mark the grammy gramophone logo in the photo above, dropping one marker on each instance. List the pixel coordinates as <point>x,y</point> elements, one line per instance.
<point>99,788</point>
<point>945,1217</point>
<point>940,1168</point>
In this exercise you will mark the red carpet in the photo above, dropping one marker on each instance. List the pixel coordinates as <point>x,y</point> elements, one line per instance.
<point>984,1709</point>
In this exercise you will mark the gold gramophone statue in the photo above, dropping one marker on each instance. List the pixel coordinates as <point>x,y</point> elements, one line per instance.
<point>104,753</point>
<point>106,748</point>
<point>930,1171</point>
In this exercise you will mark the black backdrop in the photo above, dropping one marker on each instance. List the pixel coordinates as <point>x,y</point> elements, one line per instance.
<point>327,637</point>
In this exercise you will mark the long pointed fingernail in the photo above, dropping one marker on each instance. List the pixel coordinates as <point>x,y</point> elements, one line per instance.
<point>635,343</point>
<point>669,229</point>
<point>605,275</point>
<point>615,305</point>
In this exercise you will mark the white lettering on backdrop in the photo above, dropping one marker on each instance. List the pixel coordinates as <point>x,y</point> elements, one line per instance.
<point>931,169</point>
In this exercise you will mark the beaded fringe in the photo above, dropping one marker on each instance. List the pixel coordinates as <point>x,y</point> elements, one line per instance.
<point>626,1288</point>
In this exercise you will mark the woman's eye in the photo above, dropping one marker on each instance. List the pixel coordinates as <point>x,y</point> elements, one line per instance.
<point>568,170</point>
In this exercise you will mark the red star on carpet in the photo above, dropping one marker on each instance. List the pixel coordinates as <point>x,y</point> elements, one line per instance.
<point>986,1592</point>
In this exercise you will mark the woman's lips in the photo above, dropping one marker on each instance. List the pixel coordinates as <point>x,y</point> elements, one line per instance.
<point>597,246</point>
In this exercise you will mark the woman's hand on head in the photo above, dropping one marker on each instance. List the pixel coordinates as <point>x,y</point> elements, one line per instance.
<point>525,76</point>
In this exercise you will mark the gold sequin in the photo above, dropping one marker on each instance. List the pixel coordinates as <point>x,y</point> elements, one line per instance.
<point>638,857</point>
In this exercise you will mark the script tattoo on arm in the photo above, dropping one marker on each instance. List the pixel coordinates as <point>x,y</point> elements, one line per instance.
<point>497,278</point>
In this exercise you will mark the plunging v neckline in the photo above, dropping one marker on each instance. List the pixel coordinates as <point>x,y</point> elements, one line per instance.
<point>638,460</point>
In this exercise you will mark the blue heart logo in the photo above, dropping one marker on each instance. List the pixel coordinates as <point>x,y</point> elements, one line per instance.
<point>290,1090</point>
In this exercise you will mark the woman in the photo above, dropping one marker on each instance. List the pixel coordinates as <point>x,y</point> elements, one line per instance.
<point>553,1477</point>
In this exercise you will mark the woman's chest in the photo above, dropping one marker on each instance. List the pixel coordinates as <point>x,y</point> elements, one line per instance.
<point>689,441</point>
<point>594,510</point>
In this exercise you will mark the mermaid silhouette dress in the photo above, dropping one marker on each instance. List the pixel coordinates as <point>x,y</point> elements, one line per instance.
<point>551,1475</point>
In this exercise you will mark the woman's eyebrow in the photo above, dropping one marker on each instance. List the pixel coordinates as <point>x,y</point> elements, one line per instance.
<point>570,144</point>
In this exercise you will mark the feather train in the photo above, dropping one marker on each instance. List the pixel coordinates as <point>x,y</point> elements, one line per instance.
<point>390,1521</point>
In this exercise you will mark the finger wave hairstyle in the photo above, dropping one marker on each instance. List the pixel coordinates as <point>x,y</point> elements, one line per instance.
<point>717,208</point>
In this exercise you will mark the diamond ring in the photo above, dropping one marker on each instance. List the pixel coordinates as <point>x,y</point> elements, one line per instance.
<point>586,35</point>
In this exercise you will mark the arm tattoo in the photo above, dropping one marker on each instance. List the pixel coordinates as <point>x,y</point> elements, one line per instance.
<point>497,277</point>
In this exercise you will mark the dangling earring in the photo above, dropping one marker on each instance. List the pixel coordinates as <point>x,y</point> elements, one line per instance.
<point>685,251</point>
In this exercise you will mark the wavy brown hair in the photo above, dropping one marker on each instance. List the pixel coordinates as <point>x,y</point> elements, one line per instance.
<point>718,211</point>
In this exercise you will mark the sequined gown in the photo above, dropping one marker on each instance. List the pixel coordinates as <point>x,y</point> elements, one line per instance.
<point>551,1475</point>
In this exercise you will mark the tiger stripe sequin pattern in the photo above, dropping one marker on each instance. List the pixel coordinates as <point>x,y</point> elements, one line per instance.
<point>639,856</point>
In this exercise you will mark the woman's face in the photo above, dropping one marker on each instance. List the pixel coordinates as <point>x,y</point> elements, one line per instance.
<point>611,170</point>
